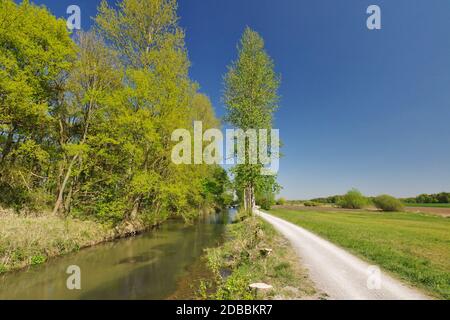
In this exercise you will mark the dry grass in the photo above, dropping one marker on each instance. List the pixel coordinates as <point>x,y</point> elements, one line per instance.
<point>255,252</point>
<point>30,240</point>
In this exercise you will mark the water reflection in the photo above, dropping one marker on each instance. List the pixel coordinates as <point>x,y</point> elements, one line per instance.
<point>143,267</point>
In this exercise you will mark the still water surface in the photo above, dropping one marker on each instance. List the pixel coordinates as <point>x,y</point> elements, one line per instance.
<point>148,266</point>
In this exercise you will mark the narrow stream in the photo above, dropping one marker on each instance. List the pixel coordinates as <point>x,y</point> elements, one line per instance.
<point>148,266</point>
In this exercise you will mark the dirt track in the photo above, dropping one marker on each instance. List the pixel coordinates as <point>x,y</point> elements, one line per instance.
<point>338,273</point>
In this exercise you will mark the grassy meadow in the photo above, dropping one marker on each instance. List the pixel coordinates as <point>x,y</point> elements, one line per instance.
<point>415,247</point>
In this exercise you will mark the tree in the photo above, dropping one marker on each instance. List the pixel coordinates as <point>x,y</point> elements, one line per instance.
<point>96,74</point>
<point>85,125</point>
<point>36,53</point>
<point>158,98</point>
<point>353,200</point>
<point>388,203</point>
<point>251,98</point>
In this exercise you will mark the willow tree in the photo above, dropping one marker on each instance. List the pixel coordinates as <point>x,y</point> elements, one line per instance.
<point>251,98</point>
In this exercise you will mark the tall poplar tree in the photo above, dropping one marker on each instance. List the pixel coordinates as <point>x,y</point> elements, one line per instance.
<point>251,98</point>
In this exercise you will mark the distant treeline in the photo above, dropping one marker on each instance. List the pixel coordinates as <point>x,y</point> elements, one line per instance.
<point>443,197</point>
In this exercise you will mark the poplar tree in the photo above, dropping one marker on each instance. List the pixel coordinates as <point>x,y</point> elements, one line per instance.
<point>251,98</point>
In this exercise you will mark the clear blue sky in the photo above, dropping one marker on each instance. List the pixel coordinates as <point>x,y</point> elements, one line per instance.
<point>359,108</point>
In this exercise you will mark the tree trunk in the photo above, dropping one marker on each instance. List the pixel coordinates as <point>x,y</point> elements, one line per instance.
<point>60,199</point>
<point>252,198</point>
<point>249,200</point>
<point>245,199</point>
<point>68,199</point>
<point>135,210</point>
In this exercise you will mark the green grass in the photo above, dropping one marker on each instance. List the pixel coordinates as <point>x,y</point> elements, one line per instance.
<point>428,205</point>
<point>415,247</point>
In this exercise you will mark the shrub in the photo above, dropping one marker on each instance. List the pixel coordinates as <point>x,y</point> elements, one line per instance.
<point>353,200</point>
<point>265,203</point>
<point>311,204</point>
<point>388,203</point>
<point>37,259</point>
<point>281,201</point>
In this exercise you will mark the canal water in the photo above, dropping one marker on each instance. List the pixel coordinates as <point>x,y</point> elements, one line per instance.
<point>149,266</point>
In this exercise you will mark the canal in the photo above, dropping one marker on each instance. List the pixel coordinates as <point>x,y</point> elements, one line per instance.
<point>148,266</point>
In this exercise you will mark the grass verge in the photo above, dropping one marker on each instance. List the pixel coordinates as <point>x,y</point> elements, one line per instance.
<point>415,247</point>
<point>253,253</point>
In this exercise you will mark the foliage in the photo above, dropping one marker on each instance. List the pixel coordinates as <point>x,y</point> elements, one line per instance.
<point>37,259</point>
<point>353,200</point>
<point>328,200</point>
<point>86,124</point>
<point>311,204</point>
<point>251,98</point>
<point>388,203</point>
<point>443,197</point>
<point>423,199</point>
<point>281,201</point>
<point>265,192</point>
<point>35,54</point>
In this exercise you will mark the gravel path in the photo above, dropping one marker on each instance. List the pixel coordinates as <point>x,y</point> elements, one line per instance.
<point>336,272</point>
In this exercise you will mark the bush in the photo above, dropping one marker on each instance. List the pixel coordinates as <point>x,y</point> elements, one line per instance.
<point>281,201</point>
<point>388,203</point>
<point>38,259</point>
<point>311,204</point>
<point>353,200</point>
<point>265,203</point>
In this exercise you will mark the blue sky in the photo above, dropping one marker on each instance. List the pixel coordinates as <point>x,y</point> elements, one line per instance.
<point>359,108</point>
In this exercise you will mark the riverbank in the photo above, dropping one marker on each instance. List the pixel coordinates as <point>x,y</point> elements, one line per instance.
<point>27,240</point>
<point>254,252</point>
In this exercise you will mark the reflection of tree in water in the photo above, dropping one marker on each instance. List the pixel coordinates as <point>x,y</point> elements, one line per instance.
<point>144,267</point>
<point>156,276</point>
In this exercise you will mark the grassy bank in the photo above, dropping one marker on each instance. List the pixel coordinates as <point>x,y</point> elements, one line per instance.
<point>253,253</point>
<point>32,240</point>
<point>415,247</point>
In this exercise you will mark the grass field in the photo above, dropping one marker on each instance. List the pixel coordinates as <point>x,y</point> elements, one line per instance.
<point>428,205</point>
<point>415,247</point>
